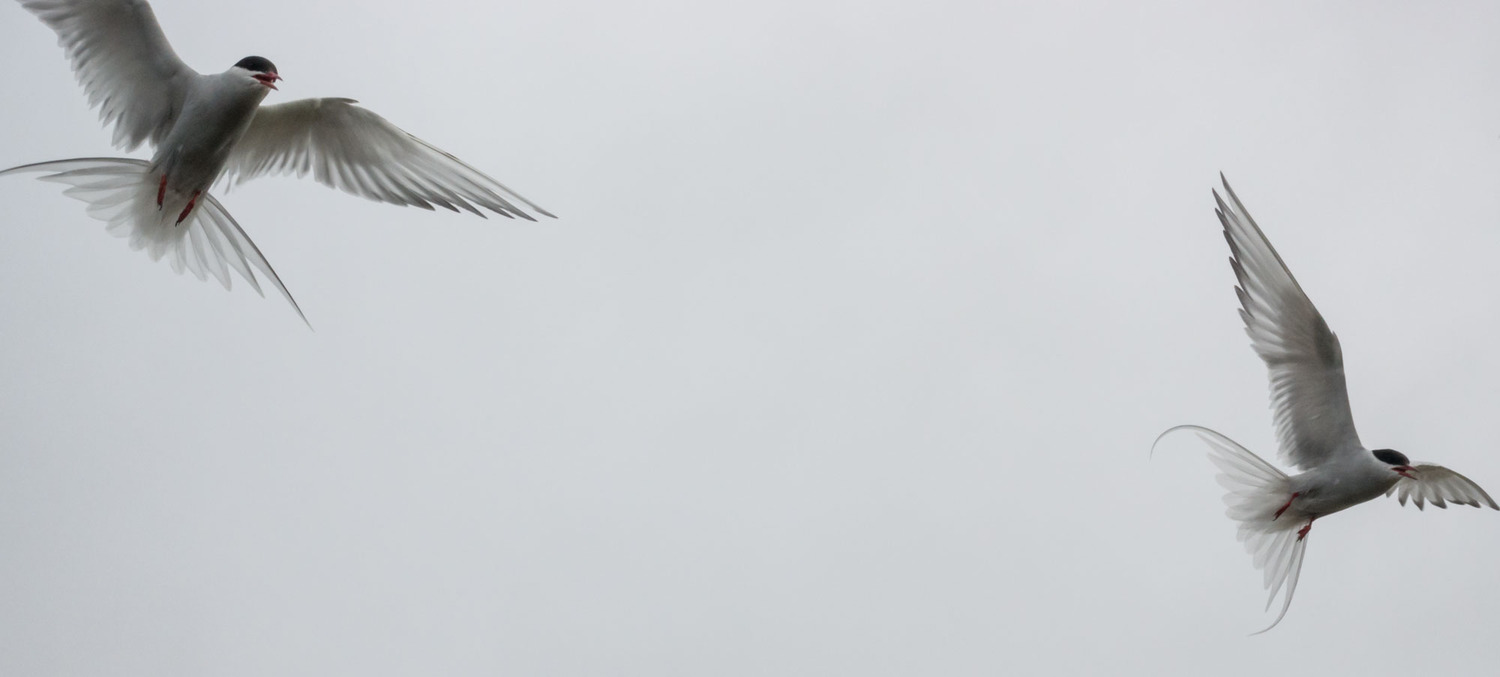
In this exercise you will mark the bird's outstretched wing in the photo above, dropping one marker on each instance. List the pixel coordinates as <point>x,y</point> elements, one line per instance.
<point>353,149</point>
<point>1439,486</point>
<point>125,64</point>
<point>1308,394</point>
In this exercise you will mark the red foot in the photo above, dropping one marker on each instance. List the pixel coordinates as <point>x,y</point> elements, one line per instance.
<point>161,190</point>
<point>1288,505</point>
<point>1302,533</point>
<point>185,210</point>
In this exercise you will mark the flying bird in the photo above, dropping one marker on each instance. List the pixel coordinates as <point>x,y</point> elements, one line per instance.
<point>1314,428</point>
<point>211,128</point>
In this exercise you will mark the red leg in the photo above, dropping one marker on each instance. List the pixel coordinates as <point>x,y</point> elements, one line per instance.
<point>189,208</point>
<point>1288,505</point>
<point>161,190</point>
<point>1302,533</point>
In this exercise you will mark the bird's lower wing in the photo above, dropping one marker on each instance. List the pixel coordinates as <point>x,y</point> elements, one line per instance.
<point>1439,486</point>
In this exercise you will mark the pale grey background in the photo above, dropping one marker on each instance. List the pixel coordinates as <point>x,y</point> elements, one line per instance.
<point>843,359</point>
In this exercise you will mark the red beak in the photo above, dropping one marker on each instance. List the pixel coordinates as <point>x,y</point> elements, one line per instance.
<point>267,79</point>
<point>1405,471</point>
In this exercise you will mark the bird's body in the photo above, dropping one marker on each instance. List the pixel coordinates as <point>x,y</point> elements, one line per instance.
<point>1314,425</point>
<point>1348,480</point>
<point>208,128</point>
<point>216,111</point>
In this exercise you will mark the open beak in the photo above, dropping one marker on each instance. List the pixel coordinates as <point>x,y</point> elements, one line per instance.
<point>1405,471</point>
<point>268,79</point>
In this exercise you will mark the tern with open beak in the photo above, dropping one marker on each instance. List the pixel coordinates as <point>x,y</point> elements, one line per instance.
<point>208,128</point>
<point>1314,428</point>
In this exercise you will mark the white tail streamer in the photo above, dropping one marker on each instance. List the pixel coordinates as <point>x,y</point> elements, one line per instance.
<point>122,193</point>
<point>1257,497</point>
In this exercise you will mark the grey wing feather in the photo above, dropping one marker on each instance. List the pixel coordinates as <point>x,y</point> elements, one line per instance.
<point>1309,397</point>
<point>354,150</point>
<point>1439,486</point>
<point>125,64</point>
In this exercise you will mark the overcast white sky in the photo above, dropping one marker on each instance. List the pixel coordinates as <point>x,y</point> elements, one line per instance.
<point>843,358</point>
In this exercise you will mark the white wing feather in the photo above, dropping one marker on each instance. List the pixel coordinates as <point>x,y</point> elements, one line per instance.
<point>353,149</point>
<point>1439,486</point>
<point>124,62</point>
<point>1308,393</point>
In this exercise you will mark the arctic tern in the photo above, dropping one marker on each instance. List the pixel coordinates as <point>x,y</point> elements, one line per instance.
<point>1314,428</point>
<point>207,128</point>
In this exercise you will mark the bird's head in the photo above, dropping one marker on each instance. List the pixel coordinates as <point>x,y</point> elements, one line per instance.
<point>261,69</point>
<point>1398,462</point>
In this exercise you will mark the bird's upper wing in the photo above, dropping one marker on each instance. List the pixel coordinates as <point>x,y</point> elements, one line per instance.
<point>1439,486</point>
<point>122,59</point>
<point>352,149</point>
<point>1308,394</point>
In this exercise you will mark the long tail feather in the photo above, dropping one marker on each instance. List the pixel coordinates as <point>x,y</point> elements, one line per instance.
<point>123,193</point>
<point>1258,496</point>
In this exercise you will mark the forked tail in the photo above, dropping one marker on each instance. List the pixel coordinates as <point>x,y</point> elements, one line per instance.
<point>123,193</point>
<point>1259,498</point>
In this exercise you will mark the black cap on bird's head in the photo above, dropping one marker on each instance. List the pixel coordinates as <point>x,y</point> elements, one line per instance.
<point>258,64</point>
<point>1392,457</point>
<point>1397,460</point>
<point>261,68</point>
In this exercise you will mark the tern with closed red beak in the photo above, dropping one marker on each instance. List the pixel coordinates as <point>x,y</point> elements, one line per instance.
<point>1314,428</point>
<point>207,128</point>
